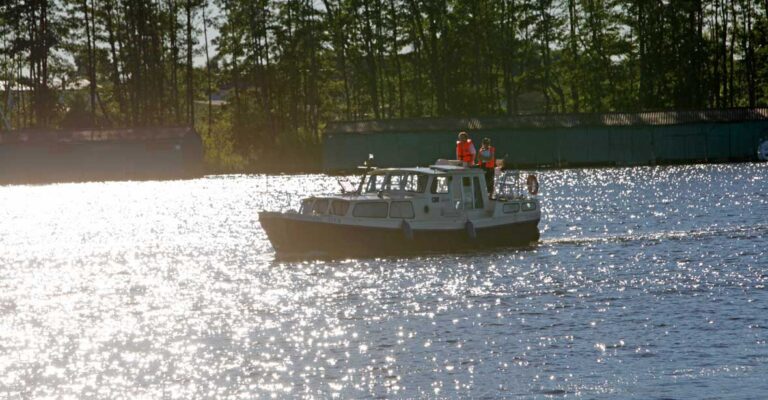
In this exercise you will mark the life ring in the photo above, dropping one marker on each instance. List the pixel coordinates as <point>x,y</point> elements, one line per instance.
<point>533,184</point>
<point>762,151</point>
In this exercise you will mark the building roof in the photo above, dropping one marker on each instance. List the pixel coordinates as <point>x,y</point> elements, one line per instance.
<point>94,135</point>
<point>650,118</point>
<point>14,86</point>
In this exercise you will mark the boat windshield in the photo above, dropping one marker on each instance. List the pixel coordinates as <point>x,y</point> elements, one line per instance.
<point>374,183</point>
<point>397,182</point>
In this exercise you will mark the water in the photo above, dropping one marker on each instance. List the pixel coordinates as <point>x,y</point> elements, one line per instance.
<point>648,283</point>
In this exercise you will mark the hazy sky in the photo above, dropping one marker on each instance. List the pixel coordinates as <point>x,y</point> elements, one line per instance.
<point>211,13</point>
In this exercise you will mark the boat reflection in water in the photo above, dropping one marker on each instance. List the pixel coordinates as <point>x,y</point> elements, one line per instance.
<point>394,211</point>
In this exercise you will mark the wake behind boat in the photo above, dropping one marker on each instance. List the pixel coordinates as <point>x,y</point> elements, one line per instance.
<point>441,208</point>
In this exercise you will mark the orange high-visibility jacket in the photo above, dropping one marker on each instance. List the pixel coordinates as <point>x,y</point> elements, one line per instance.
<point>463,152</point>
<point>490,163</point>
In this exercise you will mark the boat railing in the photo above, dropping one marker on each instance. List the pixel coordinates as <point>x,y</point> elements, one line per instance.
<point>511,185</point>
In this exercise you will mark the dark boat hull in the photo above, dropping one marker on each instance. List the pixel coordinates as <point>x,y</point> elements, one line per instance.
<point>296,237</point>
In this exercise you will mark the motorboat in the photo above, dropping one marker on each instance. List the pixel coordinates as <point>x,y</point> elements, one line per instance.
<point>445,207</point>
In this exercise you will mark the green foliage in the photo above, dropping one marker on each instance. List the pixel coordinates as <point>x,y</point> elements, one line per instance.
<point>287,68</point>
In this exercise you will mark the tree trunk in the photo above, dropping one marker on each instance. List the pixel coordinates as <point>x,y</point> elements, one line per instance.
<point>574,55</point>
<point>370,60</point>
<point>417,59</point>
<point>111,37</point>
<point>545,42</point>
<point>724,51</point>
<point>190,96</point>
<point>734,31</point>
<point>339,46</point>
<point>91,67</point>
<point>750,55</point>
<point>174,61</point>
<point>46,104</point>
<point>396,56</point>
<point>207,68</point>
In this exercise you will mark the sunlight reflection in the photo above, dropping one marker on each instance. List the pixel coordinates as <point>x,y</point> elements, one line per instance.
<point>171,290</point>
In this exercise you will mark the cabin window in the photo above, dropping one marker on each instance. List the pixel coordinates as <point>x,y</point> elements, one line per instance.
<point>441,184</point>
<point>306,207</point>
<point>401,209</point>
<point>377,209</point>
<point>396,182</point>
<point>407,182</point>
<point>510,208</point>
<point>416,183</point>
<point>478,193</point>
<point>529,206</point>
<point>468,197</point>
<point>320,207</point>
<point>375,183</point>
<point>339,207</point>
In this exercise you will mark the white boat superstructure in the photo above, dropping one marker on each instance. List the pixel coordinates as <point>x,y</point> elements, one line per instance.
<point>445,206</point>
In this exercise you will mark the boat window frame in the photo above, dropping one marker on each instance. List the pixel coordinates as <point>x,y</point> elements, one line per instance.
<point>405,175</point>
<point>511,208</point>
<point>315,206</point>
<point>479,200</point>
<point>467,193</point>
<point>369,203</point>
<point>379,186</point>
<point>433,185</point>
<point>307,205</point>
<point>346,205</point>
<point>410,204</point>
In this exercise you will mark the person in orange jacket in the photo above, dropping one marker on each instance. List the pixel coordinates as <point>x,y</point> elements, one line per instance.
<point>465,149</point>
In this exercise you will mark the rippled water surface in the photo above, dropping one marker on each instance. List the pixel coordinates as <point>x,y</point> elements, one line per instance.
<point>647,283</point>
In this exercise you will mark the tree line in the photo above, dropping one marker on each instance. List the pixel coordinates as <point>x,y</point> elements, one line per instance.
<point>283,69</point>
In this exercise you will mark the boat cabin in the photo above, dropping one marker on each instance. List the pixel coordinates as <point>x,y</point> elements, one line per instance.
<point>441,191</point>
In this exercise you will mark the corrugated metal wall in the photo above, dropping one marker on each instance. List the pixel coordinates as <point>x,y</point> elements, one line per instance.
<point>636,144</point>
<point>37,157</point>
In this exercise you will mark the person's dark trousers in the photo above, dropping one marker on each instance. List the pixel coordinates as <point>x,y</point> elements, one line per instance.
<point>489,173</point>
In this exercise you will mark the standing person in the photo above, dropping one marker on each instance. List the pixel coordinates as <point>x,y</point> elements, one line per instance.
<point>486,159</point>
<point>465,150</point>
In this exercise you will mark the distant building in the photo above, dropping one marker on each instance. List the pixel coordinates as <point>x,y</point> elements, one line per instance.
<point>95,155</point>
<point>11,94</point>
<point>217,99</point>
<point>644,138</point>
